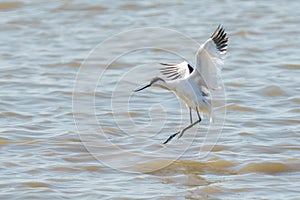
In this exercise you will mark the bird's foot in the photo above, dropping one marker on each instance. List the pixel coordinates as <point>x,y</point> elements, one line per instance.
<point>171,137</point>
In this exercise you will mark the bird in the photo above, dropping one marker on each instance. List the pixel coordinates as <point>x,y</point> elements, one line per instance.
<point>192,84</point>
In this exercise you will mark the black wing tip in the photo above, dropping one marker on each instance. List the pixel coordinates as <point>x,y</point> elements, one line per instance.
<point>175,71</point>
<point>191,69</point>
<point>220,38</point>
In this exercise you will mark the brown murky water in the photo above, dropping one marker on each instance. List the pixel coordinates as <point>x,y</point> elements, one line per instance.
<point>45,155</point>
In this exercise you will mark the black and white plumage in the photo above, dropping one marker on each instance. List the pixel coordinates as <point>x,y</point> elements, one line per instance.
<point>192,84</point>
<point>175,71</point>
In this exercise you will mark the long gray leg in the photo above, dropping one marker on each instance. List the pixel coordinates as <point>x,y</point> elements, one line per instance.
<point>199,117</point>
<point>191,119</point>
<point>183,130</point>
<point>191,125</point>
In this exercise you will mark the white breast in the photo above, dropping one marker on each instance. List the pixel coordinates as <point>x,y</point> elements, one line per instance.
<point>190,93</point>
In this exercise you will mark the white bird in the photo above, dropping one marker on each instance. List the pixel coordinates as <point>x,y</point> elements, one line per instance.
<point>192,84</point>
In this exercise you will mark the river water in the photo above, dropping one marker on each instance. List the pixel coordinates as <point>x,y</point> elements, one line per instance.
<point>72,128</point>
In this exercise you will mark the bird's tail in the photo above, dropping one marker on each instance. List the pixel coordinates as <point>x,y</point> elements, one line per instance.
<point>211,115</point>
<point>213,110</point>
<point>208,109</point>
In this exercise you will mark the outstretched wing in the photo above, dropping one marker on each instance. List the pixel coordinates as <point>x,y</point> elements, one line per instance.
<point>209,60</point>
<point>177,71</point>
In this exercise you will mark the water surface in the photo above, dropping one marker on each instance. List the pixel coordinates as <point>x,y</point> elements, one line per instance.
<point>42,47</point>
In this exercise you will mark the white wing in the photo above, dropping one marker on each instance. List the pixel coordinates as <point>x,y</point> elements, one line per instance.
<point>177,71</point>
<point>209,60</point>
